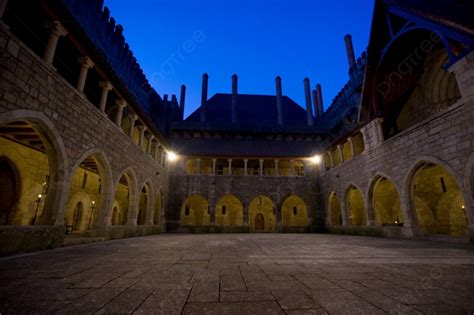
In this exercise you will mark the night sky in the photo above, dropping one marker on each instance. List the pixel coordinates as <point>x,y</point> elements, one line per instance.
<point>175,42</point>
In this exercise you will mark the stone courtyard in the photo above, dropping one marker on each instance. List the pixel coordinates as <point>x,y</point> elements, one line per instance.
<point>242,273</point>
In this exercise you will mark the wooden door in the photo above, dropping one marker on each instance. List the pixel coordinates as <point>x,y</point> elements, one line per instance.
<point>259,222</point>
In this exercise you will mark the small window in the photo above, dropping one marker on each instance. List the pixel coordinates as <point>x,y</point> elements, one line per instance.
<point>187,209</point>
<point>295,211</point>
<point>223,210</point>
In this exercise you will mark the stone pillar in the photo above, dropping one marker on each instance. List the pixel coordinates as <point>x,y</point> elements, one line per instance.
<point>133,119</point>
<point>246,173</point>
<point>142,129</point>
<point>246,215</point>
<point>351,144</point>
<point>155,155</point>
<point>464,75</point>
<point>150,142</point>
<point>340,152</point>
<point>234,99</point>
<point>106,87</point>
<point>309,110</point>
<point>121,104</point>
<point>350,51</point>
<point>3,6</point>
<point>292,167</point>
<point>230,166</point>
<point>198,166</point>
<point>162,157</point>
<point>378,123</point>
<point>331,159</point>
<point>86,64</point>
<point>214,166</point>
<point>277,173</point>
<point>57,30</point>
<point>279,100</point>
<point>205,79</point>
<point>260,171</point>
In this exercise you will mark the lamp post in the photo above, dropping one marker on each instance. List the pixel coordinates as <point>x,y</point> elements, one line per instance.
<point>92,213</point>
<point>38,201</point>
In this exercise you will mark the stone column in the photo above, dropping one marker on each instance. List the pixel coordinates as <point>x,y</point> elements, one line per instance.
<point>341,153</point>
<point>331,159</point>
<point>150,142</point>
<point>230,166</point>
<point>155,156</point>
<point>57,30</point>
<point>351,144</point>
<point>260,172</point>
<point>277,173</point>
<point>142,129</point>
<point>292,167</point>
<point>214,166</point>
<point>307,94</point>
<point>246,215</point>
<point>106,87</point>
<point>86,64</point>
<point>198,166</point>
<point>121,104</point>
<point>133,119</point>
<point>246,173</point>
<point>378,123</point>
<point>3,6</point>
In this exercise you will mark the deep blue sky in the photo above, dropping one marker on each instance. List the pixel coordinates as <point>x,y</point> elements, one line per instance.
<point>175,42</point>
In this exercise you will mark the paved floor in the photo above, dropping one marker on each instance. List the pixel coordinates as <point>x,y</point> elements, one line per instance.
<point>243,273</point>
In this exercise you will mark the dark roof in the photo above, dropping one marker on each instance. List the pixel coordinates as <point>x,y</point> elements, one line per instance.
<point>252,110</point>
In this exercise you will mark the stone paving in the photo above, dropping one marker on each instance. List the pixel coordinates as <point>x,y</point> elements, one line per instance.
<point>242,274</point>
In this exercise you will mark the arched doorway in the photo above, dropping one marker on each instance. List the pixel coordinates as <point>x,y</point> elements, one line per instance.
<point>294,212</point>
<point>195,211</point>
<point>77,217</point>
<point>124,197</point>
<point>335,213</point>
<point>438,201</point>
<point>89,186</point>
<point>262,211</point>
<point>229,211</point>
<point>9,190</point>
<point>386,202</point>
<point>356,207</point>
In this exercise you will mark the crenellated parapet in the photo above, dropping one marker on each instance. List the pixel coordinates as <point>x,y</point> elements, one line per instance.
<point>107,36</point>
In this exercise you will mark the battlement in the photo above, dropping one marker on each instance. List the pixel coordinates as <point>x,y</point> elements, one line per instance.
<point>108,37</point>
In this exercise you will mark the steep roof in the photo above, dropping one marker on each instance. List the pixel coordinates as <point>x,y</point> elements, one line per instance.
<point>252,110</point>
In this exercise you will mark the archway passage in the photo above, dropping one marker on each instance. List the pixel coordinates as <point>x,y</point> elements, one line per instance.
<point>143,205</point>
<point>262,207</point>
<point>157,210</point>
<point>294,212</point>
<point>335,213</point>
<point>438,201</point>
<point>386,203</point>
<point>25,158</point>
<point>195,211</point>
<point>123,199</point>
<point>87,190</point>
<point>356,207</point>
<point>229,211</point>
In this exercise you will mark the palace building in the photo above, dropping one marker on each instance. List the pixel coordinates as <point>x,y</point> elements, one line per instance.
<point>89,150</point>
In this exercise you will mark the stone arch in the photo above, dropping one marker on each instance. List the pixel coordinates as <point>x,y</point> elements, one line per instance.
<point>334,210</point>
<point>469,191</point>
<point>229,211</point>
<point>195,211</point>
<point>87,219</point>
<point>126,192</point>
<point>356,205</point>
<point>294,212</point>
<point>262,209</point>
<point>115,219</point>
<point>96,181</point>
<point>384,203</point>
<point>434,193</point>
<point>57,159</point>
<point>146,203</point>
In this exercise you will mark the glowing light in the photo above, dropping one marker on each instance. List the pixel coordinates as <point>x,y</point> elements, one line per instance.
<point>93,202</point>
<point>316,159</point>
<point>40,196</point>
<point>172,156</point>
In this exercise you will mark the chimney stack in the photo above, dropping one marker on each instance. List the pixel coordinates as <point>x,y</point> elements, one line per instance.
<point>174,100</point>
<point>350,51</point>
<point>315,104</point>
<point>307,94</point>
<point>165,98</point>
<point>279,99</point>
<point>234,98</point>
<point>205,79</point>
<point>182,97</point>
<point>319,97</point>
